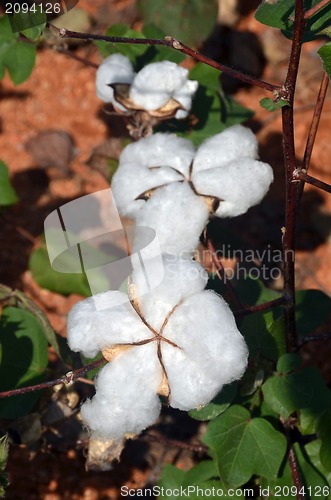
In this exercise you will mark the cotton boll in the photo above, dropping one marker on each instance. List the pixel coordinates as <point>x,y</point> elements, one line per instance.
<point>126,401</point>
<point>114,69</point>
<point>160,150</point>
<point>235,142</point>
<point>156,83</point>
<point>98,322</point>
<point>213,352</point>
<point>241,184</point>
<point>182,278</point>
<point>177,215</point>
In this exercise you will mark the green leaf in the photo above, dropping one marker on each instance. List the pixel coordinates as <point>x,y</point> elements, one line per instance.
<point>47,277</point>
<point>30,24</point>
<point>304,389</point>
<point>6,32</point>
<point>244,446</point>
<point>264,333</point>
<point>191,21</point>
<point>218,405</point>
<point>19,59</point>
<point>313,451</point>
<point>313,481</point>
<point>196,484</point>
<point>7,193</point>
<point>271,105</point>
<point>288,362</point>
<point>206,76</point>
<point>26,303</point>
<point>325,54</point>
<point>23,359</point>
<point>280,14</point>
<point>312,310</point>
<point>4,446</point>
<point>324,433</point>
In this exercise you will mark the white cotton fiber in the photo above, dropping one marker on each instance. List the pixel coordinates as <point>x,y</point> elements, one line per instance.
<point>160,150</point>
<point>98,322</point>
<point>213,352</point>
<point>177,215</point>
<point>147,164</point>
<point>114,69</point>
<point>233,143</point>
<point>182,278</point>
<point>241,184</point>
<point>126,401</point>
<point>158,82</point>
<point>184,97</point>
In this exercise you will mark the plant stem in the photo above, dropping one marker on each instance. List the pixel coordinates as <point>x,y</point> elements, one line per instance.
<point>174,44</point>
<point>313,131</point>
<point>309,13</point>
<point>295,472</point>
<point>303,176</point>
<point>280,301</point>
<point>315,121</point>
<point>69,378</point>
<point>291,188</point>
<point>315,338</point>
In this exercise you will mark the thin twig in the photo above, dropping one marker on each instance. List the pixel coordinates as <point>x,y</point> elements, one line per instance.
<point>291,188</point>
<point>315,121</point>
<point>280,301</point>
<point>303,176</point>
<point>170,42</point>
<point>221,273</point>
<point>313,131</point>
<point>199,448</point>
<point>315,338</point>
<point>69,378</point>
<point>309,13</point>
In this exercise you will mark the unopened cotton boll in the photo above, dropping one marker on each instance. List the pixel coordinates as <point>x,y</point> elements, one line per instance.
<point>180,341</point>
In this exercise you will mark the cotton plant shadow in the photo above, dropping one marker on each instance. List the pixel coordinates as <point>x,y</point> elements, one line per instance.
<point>23,223</point>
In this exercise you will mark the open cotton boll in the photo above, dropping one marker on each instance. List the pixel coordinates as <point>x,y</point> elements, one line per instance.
<point>160,150</point>
<point>182,278</point>
<point>126,400</point>
<point>99,322</point>
<point>240,185</point>
<point>156,83</point>
<point>234,142</point>
<point>213,352</point>
<point>177,215</point>
<point>114,69</point>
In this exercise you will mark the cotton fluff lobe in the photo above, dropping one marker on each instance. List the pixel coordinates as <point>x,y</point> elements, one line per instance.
<point>189,348</point>
<point>150,89</point>
<point>163,177</point>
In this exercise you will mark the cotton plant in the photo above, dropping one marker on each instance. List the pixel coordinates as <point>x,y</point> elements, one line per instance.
<point>165,183</point>
<point>177,340</point>
<point>159,91</point>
